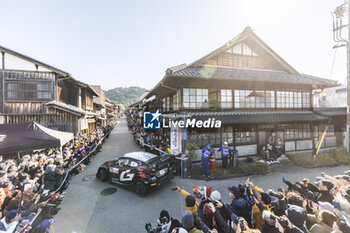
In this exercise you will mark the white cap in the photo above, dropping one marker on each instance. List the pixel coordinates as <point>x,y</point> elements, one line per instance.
<point>180,230</point>
<point>215,196</point>
<point>225,143</point>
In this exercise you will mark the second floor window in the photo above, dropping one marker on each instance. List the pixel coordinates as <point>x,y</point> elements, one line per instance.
<point>226,99</point>
<point>28,91</point>
<point>195,98</point>
<point>287,99</point>
<point>166,104</point>
<point>254,99</point>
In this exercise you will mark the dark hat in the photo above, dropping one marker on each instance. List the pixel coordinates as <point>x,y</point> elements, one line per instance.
<point>187,220</point>
<point>11,214</point>
<point>235,190</point>
<point>266,198</point>
<point>328,184</point>
<point>234,218</point>
<point>165,214</point>
<point>190,201</point>
<point>297,215</point>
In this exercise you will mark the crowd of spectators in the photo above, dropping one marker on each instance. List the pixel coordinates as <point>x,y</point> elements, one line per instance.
<point>31,187</point>
<point>273,150</point>
<point>322,206</point>
<point>154,142</point>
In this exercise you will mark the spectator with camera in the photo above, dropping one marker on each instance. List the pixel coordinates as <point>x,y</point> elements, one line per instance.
<point>222,208</point>
<point>258,194</point>
<point>165,224</point>
<point>275,224</point>
<point>191,203</point>
<point>304,207</point>
<point>240,205</point>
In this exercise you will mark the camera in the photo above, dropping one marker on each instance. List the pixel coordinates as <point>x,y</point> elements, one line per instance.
<point>198,194</point>
<point>241,222</point>
<point>163,220</point>
<point>150,229</point>
<point>282,221</point>
<point>276,194</point>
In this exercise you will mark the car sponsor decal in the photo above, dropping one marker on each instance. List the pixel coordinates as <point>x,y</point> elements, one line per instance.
<point>163,171</point>
<point>125,176</point>
<point>114,170</point>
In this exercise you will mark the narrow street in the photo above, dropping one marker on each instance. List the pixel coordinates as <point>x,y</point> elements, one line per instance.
<point>84,209</point>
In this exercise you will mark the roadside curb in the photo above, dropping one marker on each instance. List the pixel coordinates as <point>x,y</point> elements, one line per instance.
<point>320,166</point>
<point>199,177</point>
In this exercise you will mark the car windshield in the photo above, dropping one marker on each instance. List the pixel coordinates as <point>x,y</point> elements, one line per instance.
<point>152,160</point>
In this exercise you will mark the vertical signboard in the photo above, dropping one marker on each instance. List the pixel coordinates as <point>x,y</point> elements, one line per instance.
<point>175,140</point>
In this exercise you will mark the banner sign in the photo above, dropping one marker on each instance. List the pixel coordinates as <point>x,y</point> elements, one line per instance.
<point>175,140</point>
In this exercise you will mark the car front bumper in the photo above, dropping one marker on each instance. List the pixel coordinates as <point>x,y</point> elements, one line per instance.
<point>161,180</point>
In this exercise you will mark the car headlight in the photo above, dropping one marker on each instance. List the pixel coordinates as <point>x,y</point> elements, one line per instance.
<point>153,178</point>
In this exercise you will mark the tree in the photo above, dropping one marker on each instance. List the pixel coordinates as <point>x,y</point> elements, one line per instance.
<point>125,95</point>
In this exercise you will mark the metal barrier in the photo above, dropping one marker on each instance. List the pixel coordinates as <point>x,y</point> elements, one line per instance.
<point>157,149</point>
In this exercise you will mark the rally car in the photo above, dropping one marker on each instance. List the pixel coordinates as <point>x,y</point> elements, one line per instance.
<point>141,170</point>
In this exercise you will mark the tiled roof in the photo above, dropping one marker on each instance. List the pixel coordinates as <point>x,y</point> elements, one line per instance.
<point>220,72</point>
<point>67,107</point>
<point>341,111</point>
<point>256,117</point>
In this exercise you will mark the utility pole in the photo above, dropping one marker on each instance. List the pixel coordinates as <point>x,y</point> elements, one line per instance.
<point>348,84</point>
<point>338,28</point>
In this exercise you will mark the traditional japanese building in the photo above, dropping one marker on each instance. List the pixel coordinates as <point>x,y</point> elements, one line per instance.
<point>112,112</point>
<point>100,106</point>
<point>253,91</point>
<point>31,90</point>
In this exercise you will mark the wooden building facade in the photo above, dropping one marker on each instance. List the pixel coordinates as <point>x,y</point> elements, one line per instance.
<point>253,91</point>
<point>43,94</point>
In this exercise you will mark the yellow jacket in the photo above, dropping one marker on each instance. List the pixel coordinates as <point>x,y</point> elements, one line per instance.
<point>257,215</point>
<point>193,209</point>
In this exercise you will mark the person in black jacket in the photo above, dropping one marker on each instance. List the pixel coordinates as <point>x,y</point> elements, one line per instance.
<point>272,224</point>
<point>239,205</point>
<point>167,223</point>
<point>322,191</point>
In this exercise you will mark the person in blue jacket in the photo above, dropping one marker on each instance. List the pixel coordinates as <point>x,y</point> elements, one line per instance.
<point>225,154</point>
<point>206,153</point>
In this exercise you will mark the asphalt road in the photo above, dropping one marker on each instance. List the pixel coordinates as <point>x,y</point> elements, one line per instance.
<point>85,210</point>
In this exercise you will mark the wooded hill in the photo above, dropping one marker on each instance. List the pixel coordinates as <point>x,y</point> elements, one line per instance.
<point>125,95</point>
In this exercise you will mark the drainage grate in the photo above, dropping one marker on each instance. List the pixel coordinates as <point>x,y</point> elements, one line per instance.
<point>89,178</point>
<point>108,191</point>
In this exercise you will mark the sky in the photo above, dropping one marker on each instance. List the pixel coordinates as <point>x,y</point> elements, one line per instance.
<point>132,43</point>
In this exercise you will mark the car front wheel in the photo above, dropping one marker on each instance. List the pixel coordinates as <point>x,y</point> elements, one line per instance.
<point>140,189</point>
